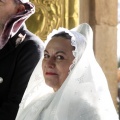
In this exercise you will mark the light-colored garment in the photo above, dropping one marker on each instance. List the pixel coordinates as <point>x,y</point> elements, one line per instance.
<point>83,96</point>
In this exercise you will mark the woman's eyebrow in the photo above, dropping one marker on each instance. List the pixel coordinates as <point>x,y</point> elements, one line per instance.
<point>3,1</point>
<point>60,52</point>
<point>45,51</point>
<point>56,52</point>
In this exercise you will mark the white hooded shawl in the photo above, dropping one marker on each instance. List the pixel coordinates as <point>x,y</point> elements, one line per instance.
<point>83,96</point>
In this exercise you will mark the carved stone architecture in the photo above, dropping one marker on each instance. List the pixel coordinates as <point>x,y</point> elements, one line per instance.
<point>100,14</point>
<point>52,14</point>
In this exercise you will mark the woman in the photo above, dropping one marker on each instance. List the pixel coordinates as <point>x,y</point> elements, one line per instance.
<point>80,87</point>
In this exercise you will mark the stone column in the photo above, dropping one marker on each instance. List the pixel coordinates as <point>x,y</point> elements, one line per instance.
<point>103,19</point>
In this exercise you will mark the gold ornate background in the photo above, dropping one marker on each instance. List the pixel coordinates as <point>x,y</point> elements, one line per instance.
<point>51,14</point>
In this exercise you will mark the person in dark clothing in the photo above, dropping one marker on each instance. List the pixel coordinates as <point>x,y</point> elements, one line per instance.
<point>20,51</point>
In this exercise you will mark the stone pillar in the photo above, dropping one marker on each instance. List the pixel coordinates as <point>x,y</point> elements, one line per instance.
<point>103,19</point>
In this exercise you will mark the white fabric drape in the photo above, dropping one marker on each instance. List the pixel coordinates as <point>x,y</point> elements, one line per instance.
<point>83,96</point>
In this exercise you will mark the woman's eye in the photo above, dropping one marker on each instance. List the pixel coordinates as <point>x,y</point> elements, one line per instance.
<point>60,57</point>
<point>46,56</point>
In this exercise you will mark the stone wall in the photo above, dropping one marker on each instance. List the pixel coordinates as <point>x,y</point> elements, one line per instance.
<point>102,16</point>
<point>103,19</point>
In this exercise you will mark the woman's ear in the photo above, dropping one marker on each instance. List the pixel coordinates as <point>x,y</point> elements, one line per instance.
<point>21,8</point>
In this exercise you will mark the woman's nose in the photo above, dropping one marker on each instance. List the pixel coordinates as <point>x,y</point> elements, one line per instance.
<point>51,63</point>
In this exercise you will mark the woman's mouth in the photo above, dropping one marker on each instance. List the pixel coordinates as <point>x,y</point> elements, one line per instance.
<point>50,73</point>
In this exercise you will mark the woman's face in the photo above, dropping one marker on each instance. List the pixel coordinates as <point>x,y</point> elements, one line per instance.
<point>57,59</point>
<point>8,8</point>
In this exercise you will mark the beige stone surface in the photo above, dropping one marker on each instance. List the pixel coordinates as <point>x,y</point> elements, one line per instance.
<point>84,11</point>
<point>105,47</point>
<point>106,12</point>
<point>103,19</point>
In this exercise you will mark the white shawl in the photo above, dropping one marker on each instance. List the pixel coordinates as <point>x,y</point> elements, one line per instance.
<point>83,96</point>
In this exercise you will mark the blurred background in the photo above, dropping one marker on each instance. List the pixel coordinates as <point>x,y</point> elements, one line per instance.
<point>118,41</point>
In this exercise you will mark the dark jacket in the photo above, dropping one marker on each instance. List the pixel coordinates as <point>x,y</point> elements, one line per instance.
<point>17,63</point>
